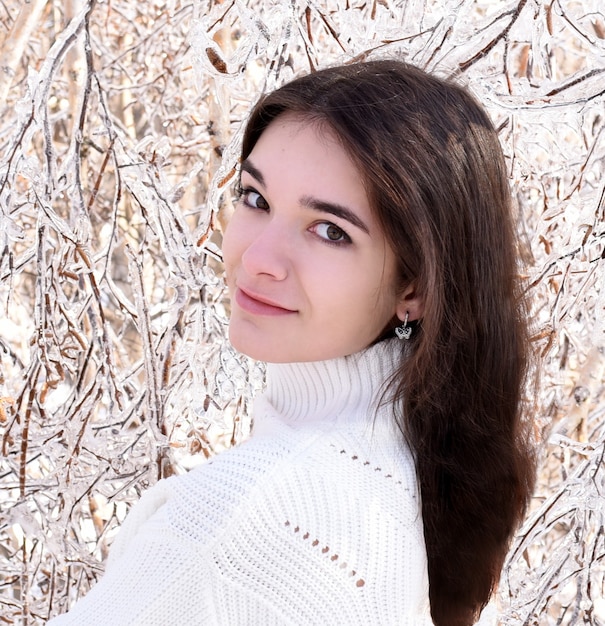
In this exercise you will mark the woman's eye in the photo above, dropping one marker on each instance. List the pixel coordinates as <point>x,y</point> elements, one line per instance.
<point>331,233</point>
<point>253,199</point>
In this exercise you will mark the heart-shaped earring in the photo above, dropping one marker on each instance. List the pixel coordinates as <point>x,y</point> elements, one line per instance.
<point>404,331</point>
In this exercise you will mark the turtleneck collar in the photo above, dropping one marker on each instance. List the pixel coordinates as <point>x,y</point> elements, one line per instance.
<point>345,390</point>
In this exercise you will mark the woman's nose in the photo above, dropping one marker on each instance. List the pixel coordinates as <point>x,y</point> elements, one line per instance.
<point>267,252</point>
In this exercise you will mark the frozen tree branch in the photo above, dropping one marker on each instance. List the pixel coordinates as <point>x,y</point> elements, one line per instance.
<point>14,44</point>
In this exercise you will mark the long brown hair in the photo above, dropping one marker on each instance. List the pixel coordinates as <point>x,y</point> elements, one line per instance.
<point>435,176</point>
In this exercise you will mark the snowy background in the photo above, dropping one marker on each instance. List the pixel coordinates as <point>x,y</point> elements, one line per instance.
<point>119,131</point>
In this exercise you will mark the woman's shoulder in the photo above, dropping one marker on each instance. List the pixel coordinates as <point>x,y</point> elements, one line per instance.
<point>349,474</point>
<point>353,457</point>
<point>288,471</point>
<point>203,503</point>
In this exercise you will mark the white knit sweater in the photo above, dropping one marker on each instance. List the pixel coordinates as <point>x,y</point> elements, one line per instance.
<point>315,520</point>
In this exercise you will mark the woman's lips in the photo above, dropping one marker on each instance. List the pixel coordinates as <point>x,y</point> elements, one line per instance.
<point>252,304</point>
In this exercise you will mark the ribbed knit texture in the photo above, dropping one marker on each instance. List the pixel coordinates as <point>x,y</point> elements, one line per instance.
<point>315,520</point>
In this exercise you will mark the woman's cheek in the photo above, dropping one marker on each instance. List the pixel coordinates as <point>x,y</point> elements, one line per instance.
<point>233,243</point>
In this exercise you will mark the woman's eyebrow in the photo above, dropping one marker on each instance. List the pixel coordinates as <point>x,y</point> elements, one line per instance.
<point>334,209</point>
<point>310,202</point>
<point>253,171</point>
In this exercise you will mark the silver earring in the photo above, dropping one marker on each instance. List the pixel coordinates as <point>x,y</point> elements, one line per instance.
<point>404,331</point>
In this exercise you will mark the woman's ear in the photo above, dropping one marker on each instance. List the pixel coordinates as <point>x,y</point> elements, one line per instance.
<point>410,302</point>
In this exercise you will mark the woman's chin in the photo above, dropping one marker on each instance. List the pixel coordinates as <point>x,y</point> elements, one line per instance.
<point>286,351</point>
<point>257,350</point>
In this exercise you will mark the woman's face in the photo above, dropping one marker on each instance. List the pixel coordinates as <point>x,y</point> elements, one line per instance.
<point>310,273</point>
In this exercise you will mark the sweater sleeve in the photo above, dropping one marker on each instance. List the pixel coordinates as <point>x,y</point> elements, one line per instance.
<point>150,574</point>
<point>149,504</point>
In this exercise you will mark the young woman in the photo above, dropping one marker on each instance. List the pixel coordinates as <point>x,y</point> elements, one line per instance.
<point>371,262</point>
